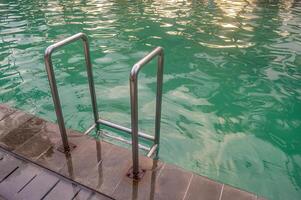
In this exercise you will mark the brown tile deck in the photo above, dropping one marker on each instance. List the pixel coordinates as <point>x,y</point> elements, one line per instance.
<point>98,165</point>
<point>203,188</point>
<point>23,180</point>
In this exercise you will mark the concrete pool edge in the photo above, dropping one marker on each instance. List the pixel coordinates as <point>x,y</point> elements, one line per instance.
<point>102,166</point>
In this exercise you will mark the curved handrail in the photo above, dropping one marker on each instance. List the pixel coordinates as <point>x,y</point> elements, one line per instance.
<point>53,86</point>
<point>134,103</point>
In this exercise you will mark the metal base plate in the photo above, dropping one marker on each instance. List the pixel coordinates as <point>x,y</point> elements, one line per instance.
<point>138,176</point>
<point>62,149</point>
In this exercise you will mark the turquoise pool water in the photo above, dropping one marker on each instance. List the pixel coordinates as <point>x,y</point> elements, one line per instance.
<point>232,85</point>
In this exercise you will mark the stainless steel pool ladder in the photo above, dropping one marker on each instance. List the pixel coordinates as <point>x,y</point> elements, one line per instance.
<point>157,52</point>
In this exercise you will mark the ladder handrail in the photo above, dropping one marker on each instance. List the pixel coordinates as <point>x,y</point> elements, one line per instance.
<point>134,104</point>
<point>53,86</point>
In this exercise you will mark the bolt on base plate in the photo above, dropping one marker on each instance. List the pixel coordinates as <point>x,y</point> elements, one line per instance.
<point>62,149</point>
<point>138,176</point>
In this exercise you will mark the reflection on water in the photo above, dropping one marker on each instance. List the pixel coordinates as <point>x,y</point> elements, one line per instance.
<point>231,106</point>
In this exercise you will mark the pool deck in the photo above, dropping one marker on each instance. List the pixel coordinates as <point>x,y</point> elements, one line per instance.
<point>93,170</point>
<point>20,179</point>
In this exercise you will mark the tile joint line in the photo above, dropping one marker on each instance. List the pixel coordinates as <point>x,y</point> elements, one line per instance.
<point>189,183</point>
<point>220,196</point>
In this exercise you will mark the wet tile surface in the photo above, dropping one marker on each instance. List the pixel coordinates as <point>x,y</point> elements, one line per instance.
<point>99,165</point>
<point>53,159</point>
<point>48,138</point>
<point>5,111</point>
<point>230,193</point>
<point>13,121</point>
<point>88,150</point>
<point>34,148</point>
<point>203,189</point>
<point>173,183</point>
<point>113,168</point>
<point>86,154</point>
<point>21,134</point>
<point>144,188</point>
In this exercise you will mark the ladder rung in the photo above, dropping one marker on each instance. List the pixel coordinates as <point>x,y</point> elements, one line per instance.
<point>152,150</point>
<point>125,141</point>
<point>91,128</point>
<point>125,129</point>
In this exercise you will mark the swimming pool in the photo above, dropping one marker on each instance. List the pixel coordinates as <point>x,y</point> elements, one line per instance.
<point>232,83</point>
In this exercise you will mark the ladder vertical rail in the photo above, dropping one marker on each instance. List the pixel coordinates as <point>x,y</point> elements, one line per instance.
<point>134,104</point>
<point>159,97</point>
<point>91,80</point>
<point>53,85</point>
<point>134,124</point>
<point>56,99</point>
